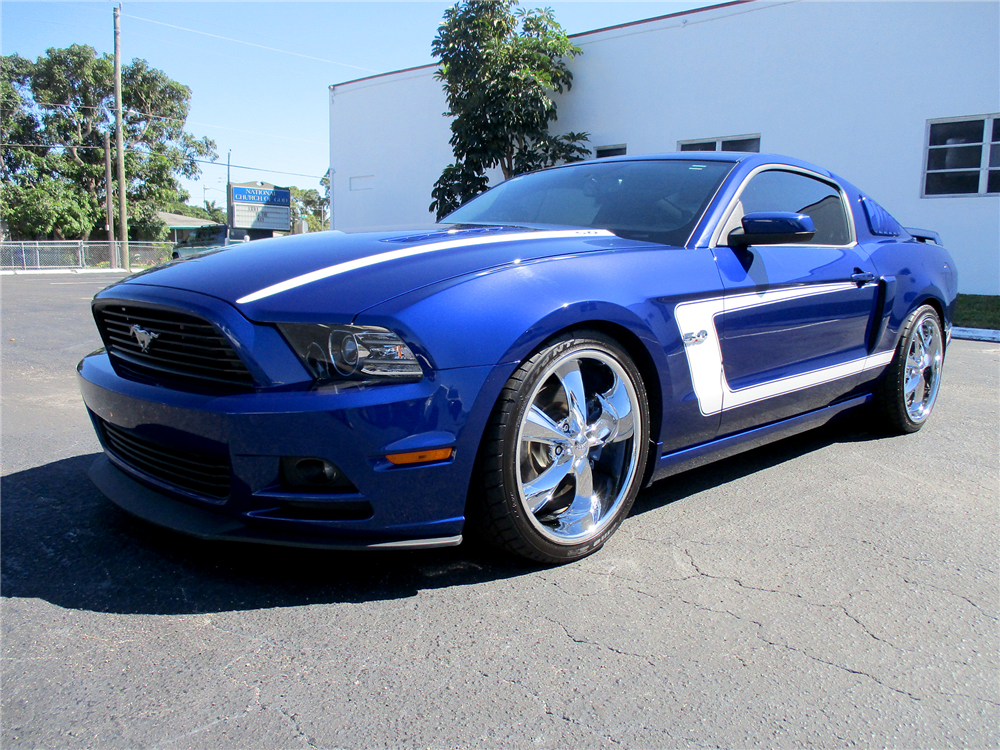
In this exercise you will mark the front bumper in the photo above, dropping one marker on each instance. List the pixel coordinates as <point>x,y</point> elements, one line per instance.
<point>405,506</point>
<point>162,510</point>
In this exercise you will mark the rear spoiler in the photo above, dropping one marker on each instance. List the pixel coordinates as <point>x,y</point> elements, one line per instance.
<point>924,235</point>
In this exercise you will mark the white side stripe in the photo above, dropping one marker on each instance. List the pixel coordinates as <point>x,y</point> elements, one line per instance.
<point>705,359</point>
<point>407,252</point>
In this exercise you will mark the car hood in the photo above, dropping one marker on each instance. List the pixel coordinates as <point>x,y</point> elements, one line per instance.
<point>331,276</point>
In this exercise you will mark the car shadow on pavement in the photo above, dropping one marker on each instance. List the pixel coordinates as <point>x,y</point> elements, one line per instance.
<point>64,543</point>
<point>848,428</point>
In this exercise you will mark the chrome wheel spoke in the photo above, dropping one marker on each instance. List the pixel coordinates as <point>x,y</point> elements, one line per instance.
<point>585,512</point>
<point>926,338</point>
<point>571,381</point>
<point>617,421</point>
<point>539,491</point>
<point>541,428</point>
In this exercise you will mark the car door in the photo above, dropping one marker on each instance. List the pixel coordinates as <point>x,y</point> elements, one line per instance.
<point>793,330</point>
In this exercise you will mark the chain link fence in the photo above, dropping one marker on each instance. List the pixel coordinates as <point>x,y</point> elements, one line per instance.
<point>18,256</point>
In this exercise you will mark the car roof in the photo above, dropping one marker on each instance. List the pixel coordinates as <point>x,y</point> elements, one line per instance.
<point>747,160</point>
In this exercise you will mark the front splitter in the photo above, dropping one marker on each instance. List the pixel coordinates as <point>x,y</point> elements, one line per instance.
<point>158,509</point>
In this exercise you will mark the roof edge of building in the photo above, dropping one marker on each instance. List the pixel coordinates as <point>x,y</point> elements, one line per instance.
<point>678,14</point>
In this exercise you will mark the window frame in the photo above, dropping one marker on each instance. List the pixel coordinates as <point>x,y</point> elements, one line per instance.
<point>717,239</point>
<point>718,143</point>
<point>984,159</point>
<point>622,147</point>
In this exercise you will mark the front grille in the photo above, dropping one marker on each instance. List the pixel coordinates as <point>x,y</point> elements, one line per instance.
<point>205,474</point>
<point>180,348</point>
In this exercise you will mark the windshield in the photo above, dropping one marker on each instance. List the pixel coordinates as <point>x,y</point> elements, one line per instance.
<point>657,200</point>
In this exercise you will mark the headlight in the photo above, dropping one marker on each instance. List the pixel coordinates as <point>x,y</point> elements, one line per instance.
<point>352,352</point>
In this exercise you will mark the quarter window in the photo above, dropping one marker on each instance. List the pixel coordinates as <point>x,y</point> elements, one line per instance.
<point>744,143</point>
<point>793,192</point>
<point>963,156</point>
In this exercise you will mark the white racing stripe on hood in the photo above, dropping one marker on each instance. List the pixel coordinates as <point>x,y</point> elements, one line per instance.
<point>406,252</point>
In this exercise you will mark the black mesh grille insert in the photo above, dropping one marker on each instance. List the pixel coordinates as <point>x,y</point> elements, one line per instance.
<point>201,473</point>
<point>172,346</point>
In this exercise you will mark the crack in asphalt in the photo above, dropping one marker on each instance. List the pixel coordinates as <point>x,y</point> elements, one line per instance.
<point>302,734</point>
<point>612,649</point>
<point>966,599</point>
<point>545,707</point>
<point>759,625</point>
<point>196,730</point>
<point>800,597</point>
<point>843,609</point>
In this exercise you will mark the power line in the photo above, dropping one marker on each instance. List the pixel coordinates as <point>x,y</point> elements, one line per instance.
<point>251,44</point>
<point>149,153</point>
<point>184,122</point>
<point>259,169</point>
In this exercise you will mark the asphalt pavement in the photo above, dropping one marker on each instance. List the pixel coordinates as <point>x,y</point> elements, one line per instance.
<point>837,589</point>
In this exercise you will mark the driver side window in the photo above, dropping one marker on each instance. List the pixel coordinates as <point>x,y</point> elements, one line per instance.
<point>777,190</point>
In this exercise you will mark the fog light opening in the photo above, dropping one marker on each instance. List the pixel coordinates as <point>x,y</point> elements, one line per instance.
<point>316,474</point>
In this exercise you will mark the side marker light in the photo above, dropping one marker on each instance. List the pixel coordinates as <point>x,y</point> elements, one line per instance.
<point>420,457</point>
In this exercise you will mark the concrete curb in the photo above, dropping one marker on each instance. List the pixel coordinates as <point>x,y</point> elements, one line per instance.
<point>975,334</point>
<point>38,271</point>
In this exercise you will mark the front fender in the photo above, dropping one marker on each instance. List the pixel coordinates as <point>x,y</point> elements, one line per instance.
<point>502,316</point>
<point>498,318</point>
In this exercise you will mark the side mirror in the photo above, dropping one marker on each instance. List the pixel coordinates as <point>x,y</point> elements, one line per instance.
<point>772,228</point>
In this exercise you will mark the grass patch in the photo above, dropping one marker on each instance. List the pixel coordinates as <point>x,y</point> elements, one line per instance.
<point>978,311</point>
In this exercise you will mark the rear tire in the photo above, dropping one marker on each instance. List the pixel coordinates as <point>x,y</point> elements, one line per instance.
<point>909,389</point>
<point>565,450</point>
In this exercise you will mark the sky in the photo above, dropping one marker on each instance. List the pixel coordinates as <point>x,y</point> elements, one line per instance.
<point>259,72</point>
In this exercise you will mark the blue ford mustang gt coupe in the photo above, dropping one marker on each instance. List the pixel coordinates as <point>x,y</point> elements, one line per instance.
<point>520,370</point>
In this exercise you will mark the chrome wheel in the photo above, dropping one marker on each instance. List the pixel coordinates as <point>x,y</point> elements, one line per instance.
<point>924,357</point>
<point>565,450</point>
<point>577,446</point>
<point>907,392</point>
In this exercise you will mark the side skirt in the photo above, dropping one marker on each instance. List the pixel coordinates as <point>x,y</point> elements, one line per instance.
<point>706,453</point>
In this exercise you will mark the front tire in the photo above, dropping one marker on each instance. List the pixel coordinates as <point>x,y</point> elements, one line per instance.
<point>565,450</point>
<point>910,387</point>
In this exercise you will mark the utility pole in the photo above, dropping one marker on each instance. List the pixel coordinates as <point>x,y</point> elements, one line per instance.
<point>120,141</point>
<point>108,188</point>
<point>229,194</point>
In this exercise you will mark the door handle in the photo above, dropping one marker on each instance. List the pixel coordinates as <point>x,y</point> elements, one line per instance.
<point>862,277</point>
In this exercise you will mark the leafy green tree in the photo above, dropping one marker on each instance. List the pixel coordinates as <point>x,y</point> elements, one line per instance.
<point>55,113</point>
<point>215,213</point>
<point>501,66</point>
<point>210,211</point>
<point>309,205</point>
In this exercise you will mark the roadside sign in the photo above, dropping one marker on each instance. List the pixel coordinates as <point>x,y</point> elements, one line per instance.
<point>259,205</point>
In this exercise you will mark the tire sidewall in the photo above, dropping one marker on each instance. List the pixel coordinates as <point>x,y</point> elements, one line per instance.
<point>543,547</point>
<point>893,397</point>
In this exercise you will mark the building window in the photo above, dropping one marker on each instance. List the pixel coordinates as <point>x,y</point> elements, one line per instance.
<point>963,156</point>
<point>603,151</point>
<point>744,143</point>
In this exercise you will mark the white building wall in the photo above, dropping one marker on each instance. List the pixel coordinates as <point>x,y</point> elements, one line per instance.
<point>847,85</point>
<point>388,145</point>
